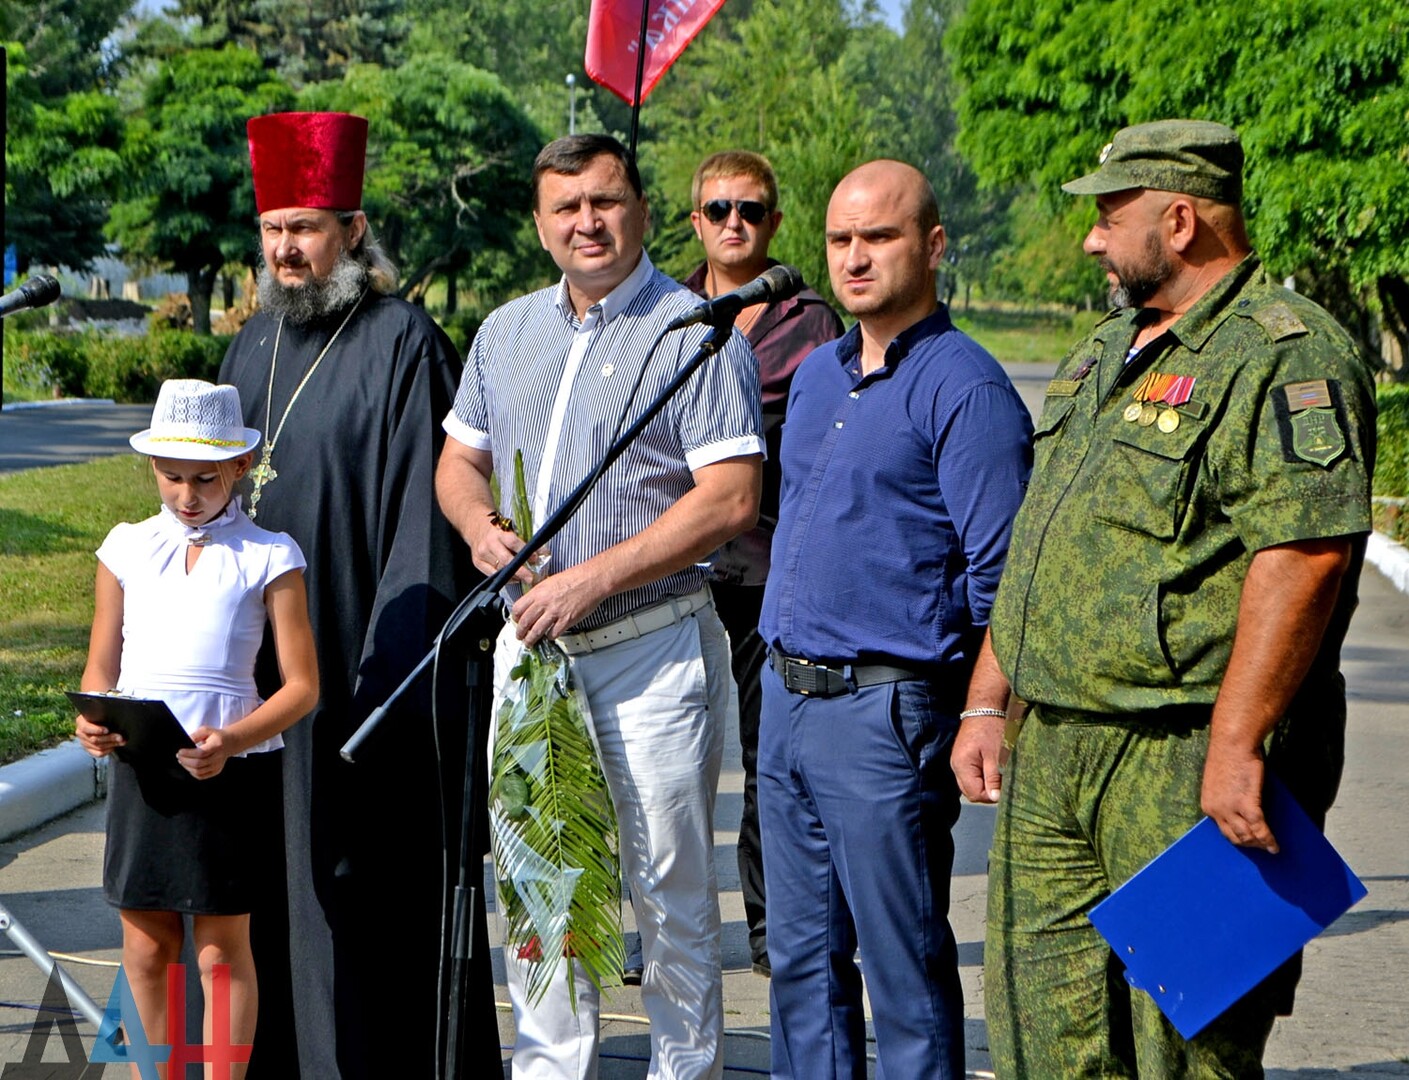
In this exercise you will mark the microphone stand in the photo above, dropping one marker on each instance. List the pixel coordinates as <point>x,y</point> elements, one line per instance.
<point>478,609</point>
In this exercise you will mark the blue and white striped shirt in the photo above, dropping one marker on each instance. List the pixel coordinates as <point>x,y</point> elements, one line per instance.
<point>540,381</point>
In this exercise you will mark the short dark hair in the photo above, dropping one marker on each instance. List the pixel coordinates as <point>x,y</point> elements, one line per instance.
<point>572,154</point>
<point>927,213</point>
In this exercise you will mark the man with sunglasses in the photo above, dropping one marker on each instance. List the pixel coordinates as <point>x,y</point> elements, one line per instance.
<point>736,216</point>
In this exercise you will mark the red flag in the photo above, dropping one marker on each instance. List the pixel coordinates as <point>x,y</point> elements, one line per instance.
<point>613,36</point>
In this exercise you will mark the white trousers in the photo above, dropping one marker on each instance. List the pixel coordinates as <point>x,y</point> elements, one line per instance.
<point>658,709</point>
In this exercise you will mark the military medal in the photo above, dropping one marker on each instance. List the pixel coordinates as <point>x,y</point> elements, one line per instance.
<point>1157,389</point>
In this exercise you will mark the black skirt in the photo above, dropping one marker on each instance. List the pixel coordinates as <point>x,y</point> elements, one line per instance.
<point>175,843</point>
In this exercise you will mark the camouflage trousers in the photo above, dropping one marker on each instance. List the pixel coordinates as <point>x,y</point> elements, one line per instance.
<point>1085,805</point>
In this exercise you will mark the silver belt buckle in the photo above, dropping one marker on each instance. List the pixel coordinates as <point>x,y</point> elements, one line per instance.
<point>814,680</point>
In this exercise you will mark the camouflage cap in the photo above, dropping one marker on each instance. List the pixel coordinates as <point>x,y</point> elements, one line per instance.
<point>1194,157</point>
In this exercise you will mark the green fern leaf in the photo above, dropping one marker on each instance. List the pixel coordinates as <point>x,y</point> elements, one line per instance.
<point>552,822</point>
<point>522,511</point>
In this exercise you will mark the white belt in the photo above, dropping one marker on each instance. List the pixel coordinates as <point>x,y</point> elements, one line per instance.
<point>657,616</point>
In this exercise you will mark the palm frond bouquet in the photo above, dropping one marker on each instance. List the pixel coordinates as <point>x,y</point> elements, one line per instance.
<point>552,824</point>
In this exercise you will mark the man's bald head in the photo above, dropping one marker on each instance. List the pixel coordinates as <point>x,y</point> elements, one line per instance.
<point>884,242</point>
<point>897,181</point>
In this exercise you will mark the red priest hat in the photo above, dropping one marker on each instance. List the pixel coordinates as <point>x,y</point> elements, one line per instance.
<point>307,159</point>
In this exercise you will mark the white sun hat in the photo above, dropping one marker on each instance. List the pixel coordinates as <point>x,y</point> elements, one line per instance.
<point>194,420</point>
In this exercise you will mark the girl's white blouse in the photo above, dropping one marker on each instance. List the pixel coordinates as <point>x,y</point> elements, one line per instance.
<point>191,639</point>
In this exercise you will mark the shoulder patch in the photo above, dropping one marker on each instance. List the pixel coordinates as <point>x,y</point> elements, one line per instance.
<point>1311,421</point>
<point>1279,320</point>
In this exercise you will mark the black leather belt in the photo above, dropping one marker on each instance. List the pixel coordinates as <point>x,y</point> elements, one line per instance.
<point>818,680</point>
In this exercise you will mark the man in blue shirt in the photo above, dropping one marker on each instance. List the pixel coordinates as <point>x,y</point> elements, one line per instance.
<point>905,455</point>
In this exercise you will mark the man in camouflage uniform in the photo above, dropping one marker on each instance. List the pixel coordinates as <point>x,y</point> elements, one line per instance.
<point>1186,559</point>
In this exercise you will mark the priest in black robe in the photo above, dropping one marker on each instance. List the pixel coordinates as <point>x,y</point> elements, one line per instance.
<point>349,384</point>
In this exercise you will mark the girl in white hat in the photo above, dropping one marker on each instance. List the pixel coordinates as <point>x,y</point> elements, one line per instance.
<point>181,603</point>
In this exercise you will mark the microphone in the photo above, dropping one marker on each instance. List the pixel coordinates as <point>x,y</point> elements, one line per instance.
<point>776,283</point>
<point>34,293</point>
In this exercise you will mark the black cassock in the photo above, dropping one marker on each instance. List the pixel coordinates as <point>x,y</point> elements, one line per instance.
<point>347,949</point>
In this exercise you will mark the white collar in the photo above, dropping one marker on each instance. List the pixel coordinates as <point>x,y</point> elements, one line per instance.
<point>173,526</point>
<point>616,301</point>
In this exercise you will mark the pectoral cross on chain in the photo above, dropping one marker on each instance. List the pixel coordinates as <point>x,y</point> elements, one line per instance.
<point>262,474</point>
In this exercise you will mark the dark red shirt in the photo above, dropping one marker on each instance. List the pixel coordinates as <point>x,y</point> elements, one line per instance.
<point>781,338</point>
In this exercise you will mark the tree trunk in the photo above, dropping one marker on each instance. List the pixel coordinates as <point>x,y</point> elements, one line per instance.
<point>452,293</point>
<point>227,287</point>
<point>425,270</point>
<point>1331,288</point>
<point>200,284</point>
<point>1394,305</point>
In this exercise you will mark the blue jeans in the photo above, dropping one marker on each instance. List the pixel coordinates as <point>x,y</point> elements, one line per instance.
<point>856,802</point>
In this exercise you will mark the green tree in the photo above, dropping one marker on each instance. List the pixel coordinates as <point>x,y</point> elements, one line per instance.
<point>922,107</point>
<point>64,128</point>
<point>306,41</point>
<point>67,43</point>
<point>61,158</point>
<point>531,45</point>
<point>1035,257</point>
<point>189,204</point>
<point>1317,88</point>
<point>449,159</point>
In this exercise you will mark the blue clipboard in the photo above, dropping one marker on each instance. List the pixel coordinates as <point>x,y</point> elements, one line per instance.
<point>1206,920</point>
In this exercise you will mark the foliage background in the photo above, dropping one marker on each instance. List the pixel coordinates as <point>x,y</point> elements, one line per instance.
<point>1316,88</point>
<point>126,126</point>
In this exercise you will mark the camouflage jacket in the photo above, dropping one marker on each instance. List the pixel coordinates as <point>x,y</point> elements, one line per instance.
<point>1129,553</point>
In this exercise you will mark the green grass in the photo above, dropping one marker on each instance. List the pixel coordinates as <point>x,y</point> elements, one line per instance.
<point>51,521</point>
<point>1024,337</point>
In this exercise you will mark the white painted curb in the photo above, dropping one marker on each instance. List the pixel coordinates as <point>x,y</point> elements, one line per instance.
<point>1389,558</point>
<point>58,403</point>
<point>46,785</point>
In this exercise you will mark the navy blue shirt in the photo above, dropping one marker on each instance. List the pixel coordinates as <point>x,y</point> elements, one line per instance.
<point>899,491</point>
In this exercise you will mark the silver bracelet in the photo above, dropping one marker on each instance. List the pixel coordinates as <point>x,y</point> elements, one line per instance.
<point>982,712</point>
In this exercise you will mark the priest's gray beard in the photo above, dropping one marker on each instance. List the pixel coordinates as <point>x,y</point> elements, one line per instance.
<point>318,297</point>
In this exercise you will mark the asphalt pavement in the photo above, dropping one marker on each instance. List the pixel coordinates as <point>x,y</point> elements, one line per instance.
<point>1351,1008</point>
<point>61,433</point>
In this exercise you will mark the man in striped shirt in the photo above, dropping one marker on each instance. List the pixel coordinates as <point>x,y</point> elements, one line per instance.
<point>551,374</point>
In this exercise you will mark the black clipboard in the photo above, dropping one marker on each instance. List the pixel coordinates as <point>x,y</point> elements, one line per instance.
<point>152,732</point>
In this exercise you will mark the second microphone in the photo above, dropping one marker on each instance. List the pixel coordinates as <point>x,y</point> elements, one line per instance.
<point>774,284</point>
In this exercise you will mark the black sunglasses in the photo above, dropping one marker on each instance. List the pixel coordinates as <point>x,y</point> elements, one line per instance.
<point>717,210</point>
